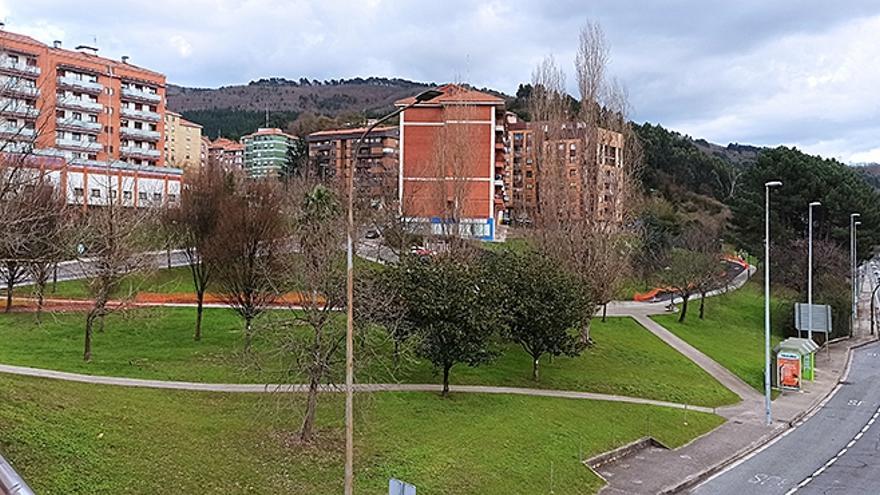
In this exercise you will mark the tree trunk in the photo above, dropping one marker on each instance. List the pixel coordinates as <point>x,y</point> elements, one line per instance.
<point>446,369</point>
<point>395,356</point>
<point>41,288</point>
<point>702,304</point>
<point>535,363</point>
<point>8,295</point>
<point>308,425</point>
<point>585,332</point>
<point>87,351</point>
<point>200,299</point>
<point>168,253</point>
<point>54,277</point>
<point>247,333</point>
<point>684,307</point>
<point>604,311</point>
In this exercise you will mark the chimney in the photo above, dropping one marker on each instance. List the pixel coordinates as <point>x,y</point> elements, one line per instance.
<point>56,43</point>
<point>125,59</point>
<point>87,50</point>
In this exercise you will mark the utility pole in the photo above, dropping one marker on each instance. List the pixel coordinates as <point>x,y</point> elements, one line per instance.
<point>810,273</point>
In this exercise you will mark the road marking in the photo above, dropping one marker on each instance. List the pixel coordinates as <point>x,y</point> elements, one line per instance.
<point>834,459</point>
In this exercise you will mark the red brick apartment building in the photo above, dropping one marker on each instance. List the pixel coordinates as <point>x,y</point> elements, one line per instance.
<point>226,154</point>
<point>103,118</point>
<point>604,170</point>
<point>377,164</point>
<point>452,162</point>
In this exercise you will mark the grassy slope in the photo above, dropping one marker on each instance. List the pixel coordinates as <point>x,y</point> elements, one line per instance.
<point>68,438</point>
<point>157,343</point>
<point>732,332</point>
<point>167,281</point>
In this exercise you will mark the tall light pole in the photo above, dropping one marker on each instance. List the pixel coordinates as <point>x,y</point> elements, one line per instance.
<point>852,269</point>
<point>810,273</point>
<point>349,328</point>
<point>767,187</point>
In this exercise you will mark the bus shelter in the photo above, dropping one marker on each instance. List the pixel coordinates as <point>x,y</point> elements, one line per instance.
<point>795,360</point>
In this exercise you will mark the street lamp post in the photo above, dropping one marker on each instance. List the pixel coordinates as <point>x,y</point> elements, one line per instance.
<point>767,187</point>
<point>810,272</point>
<point>852,269</point>
<point>349,329</point>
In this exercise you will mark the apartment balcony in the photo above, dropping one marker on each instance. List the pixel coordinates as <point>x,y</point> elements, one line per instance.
<point>18,108</point>
<point>19,67</point>
<point>13,89</point>
<point>14,131</point>
<point>84,162</point>
<point>138,95</point>
<point>140,114</point>
<point>79,125</point>
<point>80,104</point>
<point>80,84</point>
<point>79,145</point>
<point>144,134</point>
<point>136,151</point>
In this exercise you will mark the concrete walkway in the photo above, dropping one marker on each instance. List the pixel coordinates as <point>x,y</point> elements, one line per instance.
<point>360,387</point>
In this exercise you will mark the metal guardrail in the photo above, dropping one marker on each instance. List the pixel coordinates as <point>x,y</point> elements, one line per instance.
<point>10,482</point>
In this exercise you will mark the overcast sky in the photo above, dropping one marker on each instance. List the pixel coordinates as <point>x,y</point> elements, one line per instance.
<point>794,72</point>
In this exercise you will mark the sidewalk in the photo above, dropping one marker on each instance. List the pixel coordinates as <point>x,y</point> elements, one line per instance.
<point>657,470</point>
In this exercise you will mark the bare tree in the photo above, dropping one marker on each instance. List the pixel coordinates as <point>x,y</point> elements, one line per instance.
<point>584,172</point>
<point>244,254</point>
<point>693,266</point>
<point>319,272</point>
<point>114,242</point>
<point>49,238</point>
<point>193,224</point>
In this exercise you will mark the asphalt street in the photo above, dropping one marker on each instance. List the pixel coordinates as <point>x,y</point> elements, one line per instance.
<point>75,269</point>
<point>833,451</point>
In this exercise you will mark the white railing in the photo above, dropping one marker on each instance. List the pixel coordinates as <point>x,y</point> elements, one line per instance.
<point>79,83</point>
<point>6,63</point>
<point>17,107</point>
<point>136,150</point>
<point>78,124</point>
<point>141,133</point>
<point>19,89</point>
<point>140,114</point>
<point>143,95</point>
<point>83,145</point>
<point>80,103</point>
<point>86,162</point>
<point>17,130</point>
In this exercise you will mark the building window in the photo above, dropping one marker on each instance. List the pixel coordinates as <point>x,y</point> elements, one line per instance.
<point>142,196</point>
<point>157,196</point>
<point>78,192</point>
<point>126,195</point>
<point>95,193</point>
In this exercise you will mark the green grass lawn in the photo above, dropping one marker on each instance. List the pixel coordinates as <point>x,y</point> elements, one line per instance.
<point>70,438</point>
<point>157,343</point>
<point>626,359</point>
<point>165,281</point>
<point>732,332</point>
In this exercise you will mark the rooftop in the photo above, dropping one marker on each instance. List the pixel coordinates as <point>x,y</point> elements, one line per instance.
<point>356,131</point>
<point>456,94</point>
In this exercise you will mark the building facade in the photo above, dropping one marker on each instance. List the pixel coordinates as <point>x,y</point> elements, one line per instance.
<point>266,152</point>
<point>183,142</point>
<point>376,166</point>
<point>599,173</point>
<point>98,116</point>
<point>226,154</point>
<point>452,163</point>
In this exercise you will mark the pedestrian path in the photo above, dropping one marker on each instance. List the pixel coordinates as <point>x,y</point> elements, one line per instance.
<point>360,387</point>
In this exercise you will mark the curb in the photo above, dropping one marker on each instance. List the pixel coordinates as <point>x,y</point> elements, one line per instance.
<point>705,474</point>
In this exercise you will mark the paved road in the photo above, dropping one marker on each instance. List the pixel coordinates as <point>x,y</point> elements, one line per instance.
<point>834,451</point>
<point>75,269</point>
